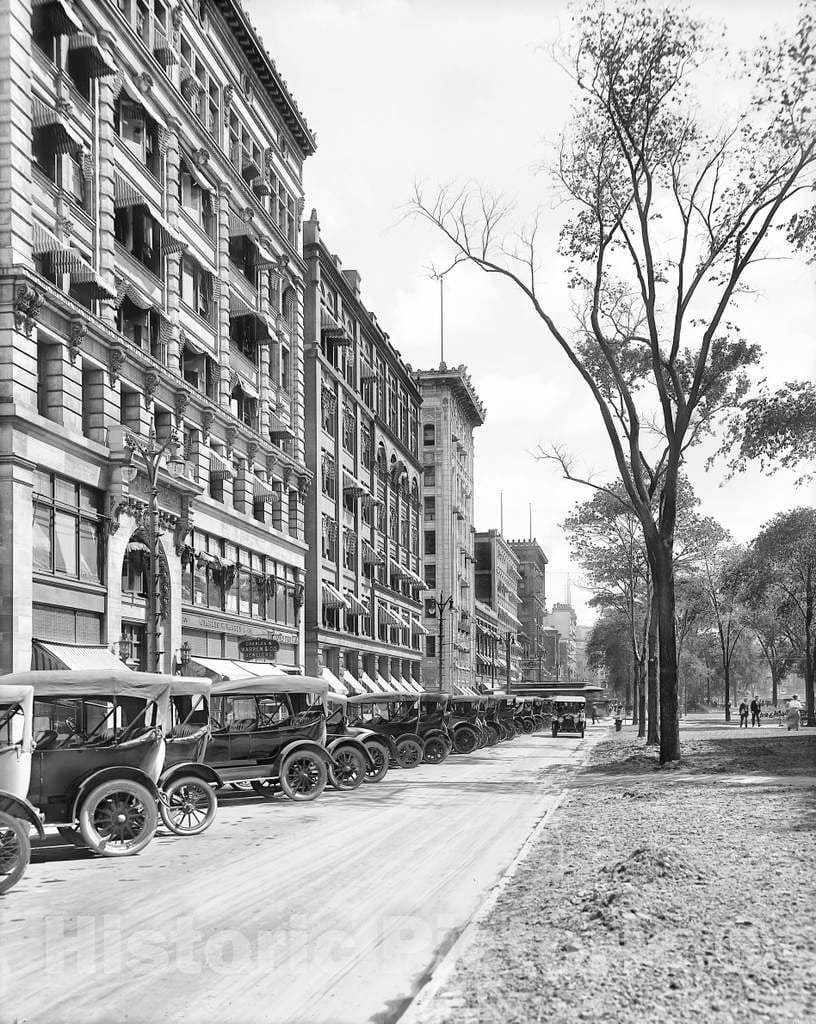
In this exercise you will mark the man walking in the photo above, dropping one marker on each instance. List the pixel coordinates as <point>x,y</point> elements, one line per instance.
<point>743,710</point>
<point>755,709</point>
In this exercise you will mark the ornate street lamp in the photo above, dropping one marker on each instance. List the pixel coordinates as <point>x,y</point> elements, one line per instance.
<point>155,455</point>
<point>442,604</point>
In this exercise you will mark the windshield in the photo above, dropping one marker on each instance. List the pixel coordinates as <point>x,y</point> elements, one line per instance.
<point>76,720</point>
<point>12,720</point>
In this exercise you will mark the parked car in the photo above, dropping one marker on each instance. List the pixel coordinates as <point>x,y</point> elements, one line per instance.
<point>392,715</point>
<point>378,749</point>
<point>569,715</point>
<point>17,815</point>
<point>270,731</point>
<point>506,715</point>
<point>98,752</point>
<point>491,717</point>
<point>434,716</point>
<point>468,727</point>
<point>187,785</point>
<point>523,715</point>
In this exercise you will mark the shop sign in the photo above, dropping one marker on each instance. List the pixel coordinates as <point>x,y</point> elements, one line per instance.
<point>258,648</point>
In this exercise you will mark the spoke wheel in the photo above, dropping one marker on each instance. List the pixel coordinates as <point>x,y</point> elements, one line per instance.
<point>118,818</point>
<point>527,725</point>
<point>465,740</point>
<point>493,735</point>
<point>349,768</point>
<point>15,850</point>
<point>435,750</point>
<point>377,771</point>
<point>409,753</point>
<point>189,806</point>
<point>303,776</point>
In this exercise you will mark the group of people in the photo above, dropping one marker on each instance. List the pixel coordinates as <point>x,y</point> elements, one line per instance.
<point>755,708</point>
<point>792,716</point>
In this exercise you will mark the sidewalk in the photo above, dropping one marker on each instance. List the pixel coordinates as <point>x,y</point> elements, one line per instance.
<point>682,895</point>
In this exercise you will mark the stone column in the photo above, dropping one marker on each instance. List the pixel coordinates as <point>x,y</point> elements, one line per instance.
<point>264,390</point>
<point>15,142</point>
<point>173,260</point>
<point>223,298</point>
<point>20,307</point>
<point>16,561</point>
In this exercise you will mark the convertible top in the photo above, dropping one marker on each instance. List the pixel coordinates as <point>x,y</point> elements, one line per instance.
<point>428,695</point>
<point>190,686</point>
<point>272,684</point>
<point>23,695</point>
<point>568,699</point>
<point>391,697</point>
<point>95,682</point>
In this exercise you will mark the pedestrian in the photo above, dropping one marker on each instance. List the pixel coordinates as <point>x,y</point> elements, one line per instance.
<point>793,716</point>
<point>755,709</point>
<point>594,716</point>
<point>743,710</point>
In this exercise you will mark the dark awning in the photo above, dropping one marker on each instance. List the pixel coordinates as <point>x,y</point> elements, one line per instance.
<point>57,15</point>
<point>46,119</point>
<point>86,51</point>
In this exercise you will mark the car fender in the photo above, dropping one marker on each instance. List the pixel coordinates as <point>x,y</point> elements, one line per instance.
<point>310,745</point>
<point>470,725</point>
<point>380,737</point>
<point>436,733</point>
<point>352,741</point>
<point>200,771</point>
<point>114,772</point>
<point>410,736</point>
<point>19,807</point>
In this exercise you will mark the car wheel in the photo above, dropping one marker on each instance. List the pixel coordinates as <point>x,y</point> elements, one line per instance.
<point>349,768</point>
<point>267,788</point>
<point>303,775</point>
<point>118,818</point>
<point>15,850</point>
<point>465,740</point>
<point>409,753</point>
<point>493,735</point>
<point>380,755</point>
<point>527,725</point>
<point>189,806</point>
<point>435,750</point>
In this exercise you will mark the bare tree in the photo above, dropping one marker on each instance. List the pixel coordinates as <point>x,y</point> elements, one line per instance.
<point>666,218</point>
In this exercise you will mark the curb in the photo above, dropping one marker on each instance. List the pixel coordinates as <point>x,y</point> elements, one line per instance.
<point>420,1006</point>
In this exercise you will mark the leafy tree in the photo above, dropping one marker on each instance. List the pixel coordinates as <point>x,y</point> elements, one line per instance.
<point>608,650</point>
<point>786,550</point>
<point>665,220</point>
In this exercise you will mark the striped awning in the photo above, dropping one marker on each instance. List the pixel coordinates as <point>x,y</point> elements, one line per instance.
<point>370,556</point>
<point>329,326</point>
<point>351,485</point>
<point>45,241</point>
<point>250,169</point>
<point>162,50</point>
<point>277,427</point>
<point>66,261</point>
<point>390,618</point>
<point>58,15</point>
<point>123,83</point>
<point>169,239</point>
<point>262,491</point>
<point>46,655</point>
<point>85,48</point>
<point>91,281</point>
<point>46,118</point>
<point>239,226</point>
<point>370,684</point>
<point>417,627</point>
<point>353,684</point>
<point>220,466</point>
<point>239,306</point>
<point>125,193</point>
<point>332,598</point>
<point>367,371</point>
<point>356,606</point>
<point>334,683</point>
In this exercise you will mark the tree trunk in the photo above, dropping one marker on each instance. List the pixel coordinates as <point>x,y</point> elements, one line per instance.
<point>636,695</point>
<point>642,700</point>
<point>774,681</point>
<point>653,717</point>
<point>660,556</point>
<point>727,678</point>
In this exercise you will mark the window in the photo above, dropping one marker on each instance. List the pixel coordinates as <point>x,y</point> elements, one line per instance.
<point>430,646</point>
<point>366,446</point>
<point>139,133</point>
<point>349,428</point>
<point>430,542</point>
<point>43,34</point>
<point>44,153</point>
<point>328,475</point>
<point>196,289</point>
<point>428,435</point>
<point>285,370</point>
<point>430,575</point>
<point>282,209</point>
<point>138,233</point>
<point>196,201</point>
<point>430,509</point>
<point>243,254</point>
<point>349,550</point>
<point>430,476</point>
<point>67,539</point>
<point>329,539</point>
<point>329,412</point>
<point>141,327</point>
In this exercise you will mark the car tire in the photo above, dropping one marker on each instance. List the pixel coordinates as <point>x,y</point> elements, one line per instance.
<point>15,850</point>
<point>349,769</point>
<point>493,735</point>
<point>436,750</point>
<point>118,818</point>
<point>266,788</point>
<point>303,775</point>
<point>409,753</point>
<point>189,806</point>
<point>381,757</point>
<point>527,726</point>
<point>465,739</point>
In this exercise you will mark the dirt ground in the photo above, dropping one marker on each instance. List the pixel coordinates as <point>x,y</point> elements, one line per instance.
<point>683,894</point>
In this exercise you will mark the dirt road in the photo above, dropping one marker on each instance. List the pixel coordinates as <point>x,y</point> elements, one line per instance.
<point>331,911</point>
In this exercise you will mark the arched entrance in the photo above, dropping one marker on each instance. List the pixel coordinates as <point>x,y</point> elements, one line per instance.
<point>136,581</point>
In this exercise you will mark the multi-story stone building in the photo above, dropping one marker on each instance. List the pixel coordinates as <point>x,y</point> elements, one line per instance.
<point>563,618</point>
<point>490,649</point>
<point>451,410</point>
<point>364,567</point>
<point>497,585</point>
<point>152,281</point>
<point>532,592</point>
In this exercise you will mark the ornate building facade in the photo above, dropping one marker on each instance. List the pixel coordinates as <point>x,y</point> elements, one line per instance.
<point>497,585</point>
<point>451,411</point>
<point>151,288</point>
<point>532,592</point>
<point>364,627</point>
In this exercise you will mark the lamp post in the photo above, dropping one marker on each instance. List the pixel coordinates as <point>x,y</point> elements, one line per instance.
<point>184,656</point>
<point>154,455</point>
<point>508,643</point>
<point>442,604</point>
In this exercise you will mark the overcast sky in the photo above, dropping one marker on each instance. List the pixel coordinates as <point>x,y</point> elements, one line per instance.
<point>441,91</point>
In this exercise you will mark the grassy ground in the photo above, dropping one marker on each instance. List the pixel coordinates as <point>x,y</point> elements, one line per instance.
<point>683,894</point>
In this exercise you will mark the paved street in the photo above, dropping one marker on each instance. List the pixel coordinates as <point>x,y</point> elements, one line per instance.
<point>332,911</point>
